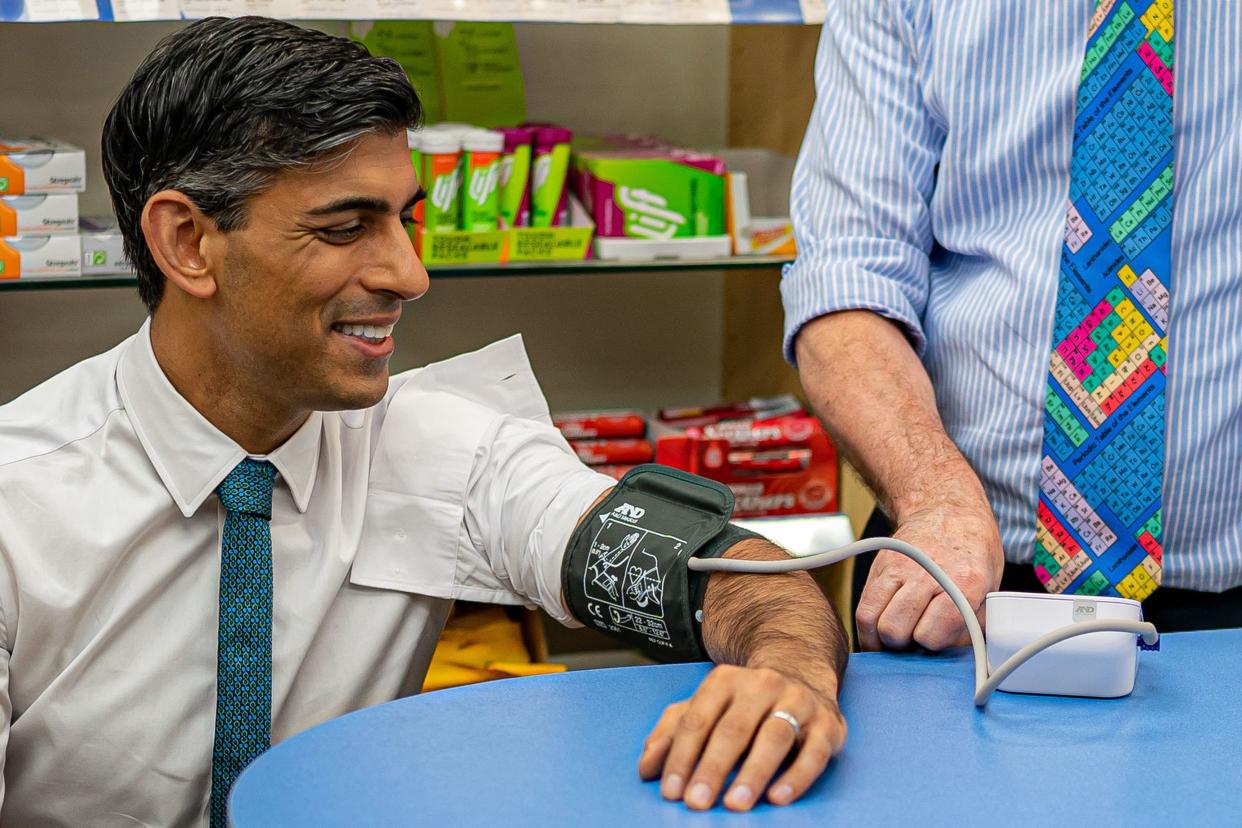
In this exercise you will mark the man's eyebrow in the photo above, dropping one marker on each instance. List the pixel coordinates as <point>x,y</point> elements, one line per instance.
<point>341,205</point>
<point>366,204</point>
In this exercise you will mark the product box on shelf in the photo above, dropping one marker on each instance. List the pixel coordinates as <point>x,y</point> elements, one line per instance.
<point>756,408</point>
<point>587,425</point>
<point>38,214</point>
<point>648,250</point>
<point>654,194</point>
<point>102,248</point>
<point>758,201</point>
<point>32,257</point>
<point>517,244</point>
<point>786,465</point>
<point>96,249</point>
<point>751,235</point>
<point>30,166</point>
<point>626,451</point>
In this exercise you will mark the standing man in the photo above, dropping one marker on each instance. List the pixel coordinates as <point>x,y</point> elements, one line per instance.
<point>236,525</point>
<point>1017,294</point>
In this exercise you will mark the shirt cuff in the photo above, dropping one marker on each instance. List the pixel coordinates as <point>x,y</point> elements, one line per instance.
<point>813,287</point>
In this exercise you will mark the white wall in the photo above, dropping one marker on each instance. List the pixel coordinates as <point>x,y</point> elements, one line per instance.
<point>601,340</point>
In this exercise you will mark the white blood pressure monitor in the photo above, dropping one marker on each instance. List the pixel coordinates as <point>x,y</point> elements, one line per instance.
<point>1101,664</point>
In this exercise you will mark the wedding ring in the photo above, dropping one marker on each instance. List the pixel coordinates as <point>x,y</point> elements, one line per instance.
<point>788,717</point>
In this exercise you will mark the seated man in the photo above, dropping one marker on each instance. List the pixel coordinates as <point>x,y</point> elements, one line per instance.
<point>236,525</point>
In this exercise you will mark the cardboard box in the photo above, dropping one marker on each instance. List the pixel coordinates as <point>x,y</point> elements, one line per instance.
<point>655,194</point>
<point>752,235</point>
<point>30,166</point>
<point>650,250</point>
<point>628,451</point>
<point>756,408</point>
<point>33,257</point>
<point>769,237</point>
<point>587,425</point>
<point>781,466</point>
<point>103,248</point>
<point>517,244</point>
<point>38,215</point>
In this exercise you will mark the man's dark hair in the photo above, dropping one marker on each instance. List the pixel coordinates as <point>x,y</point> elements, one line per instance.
<point>222,106</point>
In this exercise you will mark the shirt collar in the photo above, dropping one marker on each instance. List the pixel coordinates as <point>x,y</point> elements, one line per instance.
<point>191,455</point>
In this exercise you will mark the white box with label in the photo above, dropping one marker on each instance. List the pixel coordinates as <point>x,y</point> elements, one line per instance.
<point>29,166</point>
<point>39,214</point>
<point>34,257</point>
<point>103,249</point>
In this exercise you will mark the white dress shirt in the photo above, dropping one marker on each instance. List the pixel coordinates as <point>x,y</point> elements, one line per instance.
<point>456,485</point>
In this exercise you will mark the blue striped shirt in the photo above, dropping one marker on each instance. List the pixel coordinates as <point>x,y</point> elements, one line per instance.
<point>932,189</point>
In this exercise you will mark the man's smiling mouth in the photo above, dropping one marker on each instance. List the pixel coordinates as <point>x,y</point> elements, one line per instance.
<point>373,334</point>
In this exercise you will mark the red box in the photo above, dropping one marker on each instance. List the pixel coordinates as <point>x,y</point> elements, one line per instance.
<point>627,452</point>
<point>595,424</point>
<point>780,466</point>
<point>756,408</point>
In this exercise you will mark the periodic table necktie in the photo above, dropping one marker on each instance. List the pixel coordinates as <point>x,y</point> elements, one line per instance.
<point>244,660</point>
<point>1099,523</point>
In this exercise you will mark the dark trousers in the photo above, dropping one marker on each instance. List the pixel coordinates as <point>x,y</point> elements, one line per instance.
<point>1171,610</point>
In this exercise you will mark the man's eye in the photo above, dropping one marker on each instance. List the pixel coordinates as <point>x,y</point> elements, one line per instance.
<point>410,221</point>
<point>342,235</point>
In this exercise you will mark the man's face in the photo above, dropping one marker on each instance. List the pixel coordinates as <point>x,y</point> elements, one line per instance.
<point>312,284</point>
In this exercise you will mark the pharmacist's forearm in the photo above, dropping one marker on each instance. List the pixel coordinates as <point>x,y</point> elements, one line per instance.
<point>868,385</point>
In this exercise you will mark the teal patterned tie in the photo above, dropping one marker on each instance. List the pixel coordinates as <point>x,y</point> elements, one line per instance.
<point>1100,519</point>
<point>244,661</point>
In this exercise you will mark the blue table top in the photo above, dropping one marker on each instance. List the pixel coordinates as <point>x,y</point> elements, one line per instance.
<point>562,750</point>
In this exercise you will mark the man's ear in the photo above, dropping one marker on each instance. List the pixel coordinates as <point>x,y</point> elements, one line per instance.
<point>177,234</point>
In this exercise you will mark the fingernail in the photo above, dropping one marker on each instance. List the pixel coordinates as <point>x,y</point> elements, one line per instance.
<point>671,789</point>
<point>700,796</point>
<point>739,796</point>
<point>782,794</point>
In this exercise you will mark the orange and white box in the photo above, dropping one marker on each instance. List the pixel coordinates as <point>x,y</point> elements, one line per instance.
<point>30,166</point>
<point>33,257</point>
<point>39,214</point>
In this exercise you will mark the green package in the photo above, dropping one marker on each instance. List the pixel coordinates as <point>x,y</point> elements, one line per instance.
<point>514,192</point>
<point>549,168</point>
<point>651,194</point>
<point>441,179</point>
<point>480,203</point>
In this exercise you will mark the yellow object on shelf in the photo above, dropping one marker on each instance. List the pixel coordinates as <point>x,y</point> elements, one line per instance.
<point>481,645</point>
<point>517,244</point>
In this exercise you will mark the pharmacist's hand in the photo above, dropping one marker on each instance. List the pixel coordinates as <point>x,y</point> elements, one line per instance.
<point>901,604</point>
<point>698,742</point>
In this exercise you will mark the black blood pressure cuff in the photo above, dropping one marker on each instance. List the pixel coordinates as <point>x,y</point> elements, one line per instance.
<point>625,567</point>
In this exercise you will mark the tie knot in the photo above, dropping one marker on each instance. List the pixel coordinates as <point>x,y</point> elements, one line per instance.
<point>248,488</point>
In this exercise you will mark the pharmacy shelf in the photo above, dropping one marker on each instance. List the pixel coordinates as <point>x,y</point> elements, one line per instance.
<point>591,267</point>
<point>514,11</point>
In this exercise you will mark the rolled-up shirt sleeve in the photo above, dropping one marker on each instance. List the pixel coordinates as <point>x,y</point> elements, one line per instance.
<point>526,494</point>
<point>473,493</point>
<point>865,175</point>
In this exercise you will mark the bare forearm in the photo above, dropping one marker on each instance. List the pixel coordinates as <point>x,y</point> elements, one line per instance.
<point>781,622</point>
<point>876,400</point>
